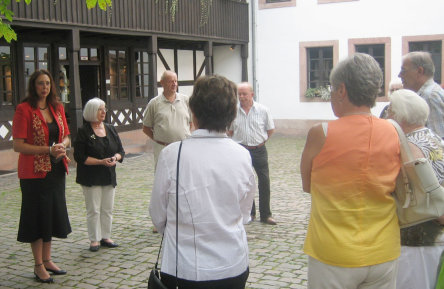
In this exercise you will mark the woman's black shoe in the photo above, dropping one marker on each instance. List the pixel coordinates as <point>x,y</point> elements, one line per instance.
<point>37,278</point>
<point>94,248</point>
<point>108,244</point>
<point>49,280</point>
<point>56,272</point>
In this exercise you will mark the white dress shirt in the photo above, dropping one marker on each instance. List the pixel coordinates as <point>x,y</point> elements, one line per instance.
<point>251,129</point>
<point>216,190</point>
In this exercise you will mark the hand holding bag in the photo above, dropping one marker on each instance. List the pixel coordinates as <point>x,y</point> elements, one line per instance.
<point>154,281</point>
<point>418,194</point>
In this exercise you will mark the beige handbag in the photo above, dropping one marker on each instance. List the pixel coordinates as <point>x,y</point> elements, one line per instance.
<point>418,194</point>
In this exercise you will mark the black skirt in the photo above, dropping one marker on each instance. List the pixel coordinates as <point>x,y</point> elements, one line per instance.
<point>44,214</point>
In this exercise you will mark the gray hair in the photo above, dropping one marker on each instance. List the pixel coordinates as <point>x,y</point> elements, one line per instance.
<point>166,73</point>
<point>422,59</point>
<point>361,76</point>
<point>91,108</point>
<point>408,107</point>
<point>394,85</point>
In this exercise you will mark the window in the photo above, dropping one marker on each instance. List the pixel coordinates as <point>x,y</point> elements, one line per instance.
<point>319,65</point>
<point>6,91</point>
<point>89,54</point>
<point>316,59</point>
<point>265,4</point>
<point>380,49</point>
<point>118,72</point>
<point>378,53</point>
<point>62,80</point>
<point>435,48</point>
<point>142,74</point>
<point>36,58</point>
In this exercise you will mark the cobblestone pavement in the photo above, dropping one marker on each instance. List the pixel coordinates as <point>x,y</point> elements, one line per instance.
<point>276,257</point>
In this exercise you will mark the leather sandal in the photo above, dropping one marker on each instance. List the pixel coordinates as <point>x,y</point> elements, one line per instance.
<point>37,278</point>
<point>55,272</point>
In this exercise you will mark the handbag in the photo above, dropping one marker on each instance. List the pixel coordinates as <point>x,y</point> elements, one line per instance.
<point>418,194</point>
<point>154,281</point>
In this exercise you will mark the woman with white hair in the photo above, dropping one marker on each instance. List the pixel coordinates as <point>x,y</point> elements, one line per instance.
<point>422,244</point>
<point>97,149</point>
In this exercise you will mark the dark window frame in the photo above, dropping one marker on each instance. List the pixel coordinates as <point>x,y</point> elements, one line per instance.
<point>322,72</point>
<point>4,77</point>
<point>140,62</point>
<point>118,87</point>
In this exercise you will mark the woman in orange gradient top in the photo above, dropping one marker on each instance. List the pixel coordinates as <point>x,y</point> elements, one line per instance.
<point>350,166</point>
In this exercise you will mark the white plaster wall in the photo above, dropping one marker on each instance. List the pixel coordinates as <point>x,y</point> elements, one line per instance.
<point>228,62</point>
<point>280,30</point>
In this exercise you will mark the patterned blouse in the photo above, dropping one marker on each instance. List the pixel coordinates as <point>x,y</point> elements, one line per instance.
<point>429,233</point>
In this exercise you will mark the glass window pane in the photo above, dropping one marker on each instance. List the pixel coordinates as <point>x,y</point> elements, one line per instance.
<point>7,100</point>
<point>29,68</point>
<point>83,53</point>
<point>63,53</point>
<point>43,65</point>
<point>113,93</point>
<point>94,54</point>
<point>29,53</point>
<point>123,92</point>
<point>138,91</point>
<point>113,80</point>
<point>43,53</point>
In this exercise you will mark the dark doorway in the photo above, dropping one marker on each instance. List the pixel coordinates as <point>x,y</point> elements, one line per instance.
<point>89,82</point>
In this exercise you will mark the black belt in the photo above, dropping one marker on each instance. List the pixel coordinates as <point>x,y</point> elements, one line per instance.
<point>253,147</point>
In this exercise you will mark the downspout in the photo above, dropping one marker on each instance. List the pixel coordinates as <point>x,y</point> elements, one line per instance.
<point>253,48</point>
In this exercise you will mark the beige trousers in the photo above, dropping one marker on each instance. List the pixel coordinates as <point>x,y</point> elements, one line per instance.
<point>323,276</point>
<point>99,202</point>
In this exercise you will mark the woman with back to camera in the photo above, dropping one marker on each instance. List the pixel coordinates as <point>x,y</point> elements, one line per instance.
<point>216,190</point>
<point>422,244</point>
<point>349,166</point>
<point>41,135</point>
<point>97,149</point>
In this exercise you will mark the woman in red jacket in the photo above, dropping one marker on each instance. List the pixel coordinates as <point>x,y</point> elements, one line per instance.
<point>41,135</point>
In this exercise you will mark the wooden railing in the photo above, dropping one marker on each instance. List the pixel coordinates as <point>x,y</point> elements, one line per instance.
<point>228,19</point>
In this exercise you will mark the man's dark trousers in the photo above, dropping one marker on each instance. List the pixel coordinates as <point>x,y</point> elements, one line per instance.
<point>259,157</point>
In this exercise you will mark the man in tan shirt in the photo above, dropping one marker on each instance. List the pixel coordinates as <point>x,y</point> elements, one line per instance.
<point>167,117</point>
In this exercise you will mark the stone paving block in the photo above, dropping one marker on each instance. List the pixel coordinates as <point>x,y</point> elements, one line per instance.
<point>276,257</point>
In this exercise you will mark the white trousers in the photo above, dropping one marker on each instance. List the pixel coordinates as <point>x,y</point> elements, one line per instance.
<point>99,202</point>
<point>323,276</point>
<point>418,267</point>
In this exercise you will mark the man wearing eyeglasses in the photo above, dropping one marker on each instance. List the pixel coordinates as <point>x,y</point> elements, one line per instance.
<point>417,73</point>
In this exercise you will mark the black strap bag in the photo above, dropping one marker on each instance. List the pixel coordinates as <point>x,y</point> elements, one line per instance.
<point>154,281</point>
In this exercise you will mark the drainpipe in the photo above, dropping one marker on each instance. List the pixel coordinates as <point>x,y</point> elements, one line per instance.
<point>253,48</point>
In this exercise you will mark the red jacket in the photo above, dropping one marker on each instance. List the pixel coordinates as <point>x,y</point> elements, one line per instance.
<point>28,124</point>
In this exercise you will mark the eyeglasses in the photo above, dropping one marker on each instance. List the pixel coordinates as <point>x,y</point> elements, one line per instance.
<point>103,109</point>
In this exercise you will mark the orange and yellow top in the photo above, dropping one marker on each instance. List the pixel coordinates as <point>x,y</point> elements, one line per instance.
<point>353,219</point>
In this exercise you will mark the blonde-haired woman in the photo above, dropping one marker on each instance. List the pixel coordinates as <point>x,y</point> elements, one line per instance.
<point>97,149</point>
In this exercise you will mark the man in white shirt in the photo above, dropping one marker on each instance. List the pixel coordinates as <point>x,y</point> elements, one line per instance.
<point>252,128</point>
